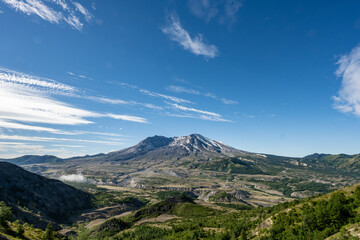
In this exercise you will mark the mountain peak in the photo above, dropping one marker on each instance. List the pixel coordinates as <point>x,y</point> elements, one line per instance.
<point>160,147</point>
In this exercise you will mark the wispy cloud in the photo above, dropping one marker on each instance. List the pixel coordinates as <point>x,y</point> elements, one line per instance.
<point>231,9</point>
<point>24,103</point>
<point>166,97</point>
<point>348,99</point>
<point>128,118</point>
<point>88,16</point>
<point>108,100</point>
<point>50,11</point>
<point>7,149</point>
<point>151,93</point>
<point>51,139</point>
<point>70,146</point>
<point>8,76</point>
<point>199,114</point>
<point>225,10</point>
<point>248,115</point>
<point>180,89</point>
<point>175,103</point>
<point>26,98</point>
<point>183,108</point>
<point>19,126</point>
<point>196,45</point>
<point>123,102</point>
<point>79,76</point>
<point>13,125</point>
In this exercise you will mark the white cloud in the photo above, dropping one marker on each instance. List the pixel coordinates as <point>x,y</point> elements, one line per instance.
<point>166,97</point>
<point>51,139</point>
<point>27,98</point>
<point>180,89</point>
<point>45,11</point>
<point>200,114</point>
<point>19,126</point>
<point>70,146</point>
<point>152,106</point>
<point>108,100</point>
<point>79,76</point>
<point>128,118</point>
<point>94,133</point>
<point>348,99</point>
<point>88,16</point>
<point>73,178</point>
<point>36,7</point>
<point>197,116</point>
<point>7,75</point>
<point>61,3</point>
<point>13,125</point>
<point>123,102</point>
<point>150,93</point>
<point>74,21</point>
<point>25,103</point>
<point>183,108</point>
<point>196,45</point>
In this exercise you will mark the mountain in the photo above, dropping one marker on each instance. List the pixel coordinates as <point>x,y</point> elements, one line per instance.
<point>338,162</point>
<point>159,147</point>
<point>34,197</point>
<point>32,159</point>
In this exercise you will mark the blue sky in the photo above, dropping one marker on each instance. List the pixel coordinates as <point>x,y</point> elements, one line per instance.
<point>83,77</point>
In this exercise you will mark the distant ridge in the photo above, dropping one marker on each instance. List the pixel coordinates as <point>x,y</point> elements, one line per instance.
<point>32,159</point>
<point>196,146</point>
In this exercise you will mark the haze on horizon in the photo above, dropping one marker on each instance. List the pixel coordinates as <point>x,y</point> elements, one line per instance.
<point>84,77</point>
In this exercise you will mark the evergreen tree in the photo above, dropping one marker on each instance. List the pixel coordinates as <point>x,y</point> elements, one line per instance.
<point>5,215</point>
<point>49,233</point>
<point>20,230</point>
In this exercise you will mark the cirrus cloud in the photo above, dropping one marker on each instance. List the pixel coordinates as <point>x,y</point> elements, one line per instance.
<point>59,11</point>
<point>180,89</point>
<point>196,45</point>
<point>26,98</point>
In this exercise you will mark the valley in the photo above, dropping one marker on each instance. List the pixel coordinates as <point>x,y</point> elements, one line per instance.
<point>158,185</point>
<point>204,167</point>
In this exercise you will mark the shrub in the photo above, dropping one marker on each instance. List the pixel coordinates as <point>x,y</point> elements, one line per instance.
<point>5,215</point>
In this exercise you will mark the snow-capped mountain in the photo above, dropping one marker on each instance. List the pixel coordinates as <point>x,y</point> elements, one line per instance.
<point>159,147</point>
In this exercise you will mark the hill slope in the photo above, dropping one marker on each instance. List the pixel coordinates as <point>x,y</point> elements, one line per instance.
<point>33,196</point>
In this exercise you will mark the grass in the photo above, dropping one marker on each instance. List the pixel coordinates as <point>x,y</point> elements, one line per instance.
<point>190,210</point>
